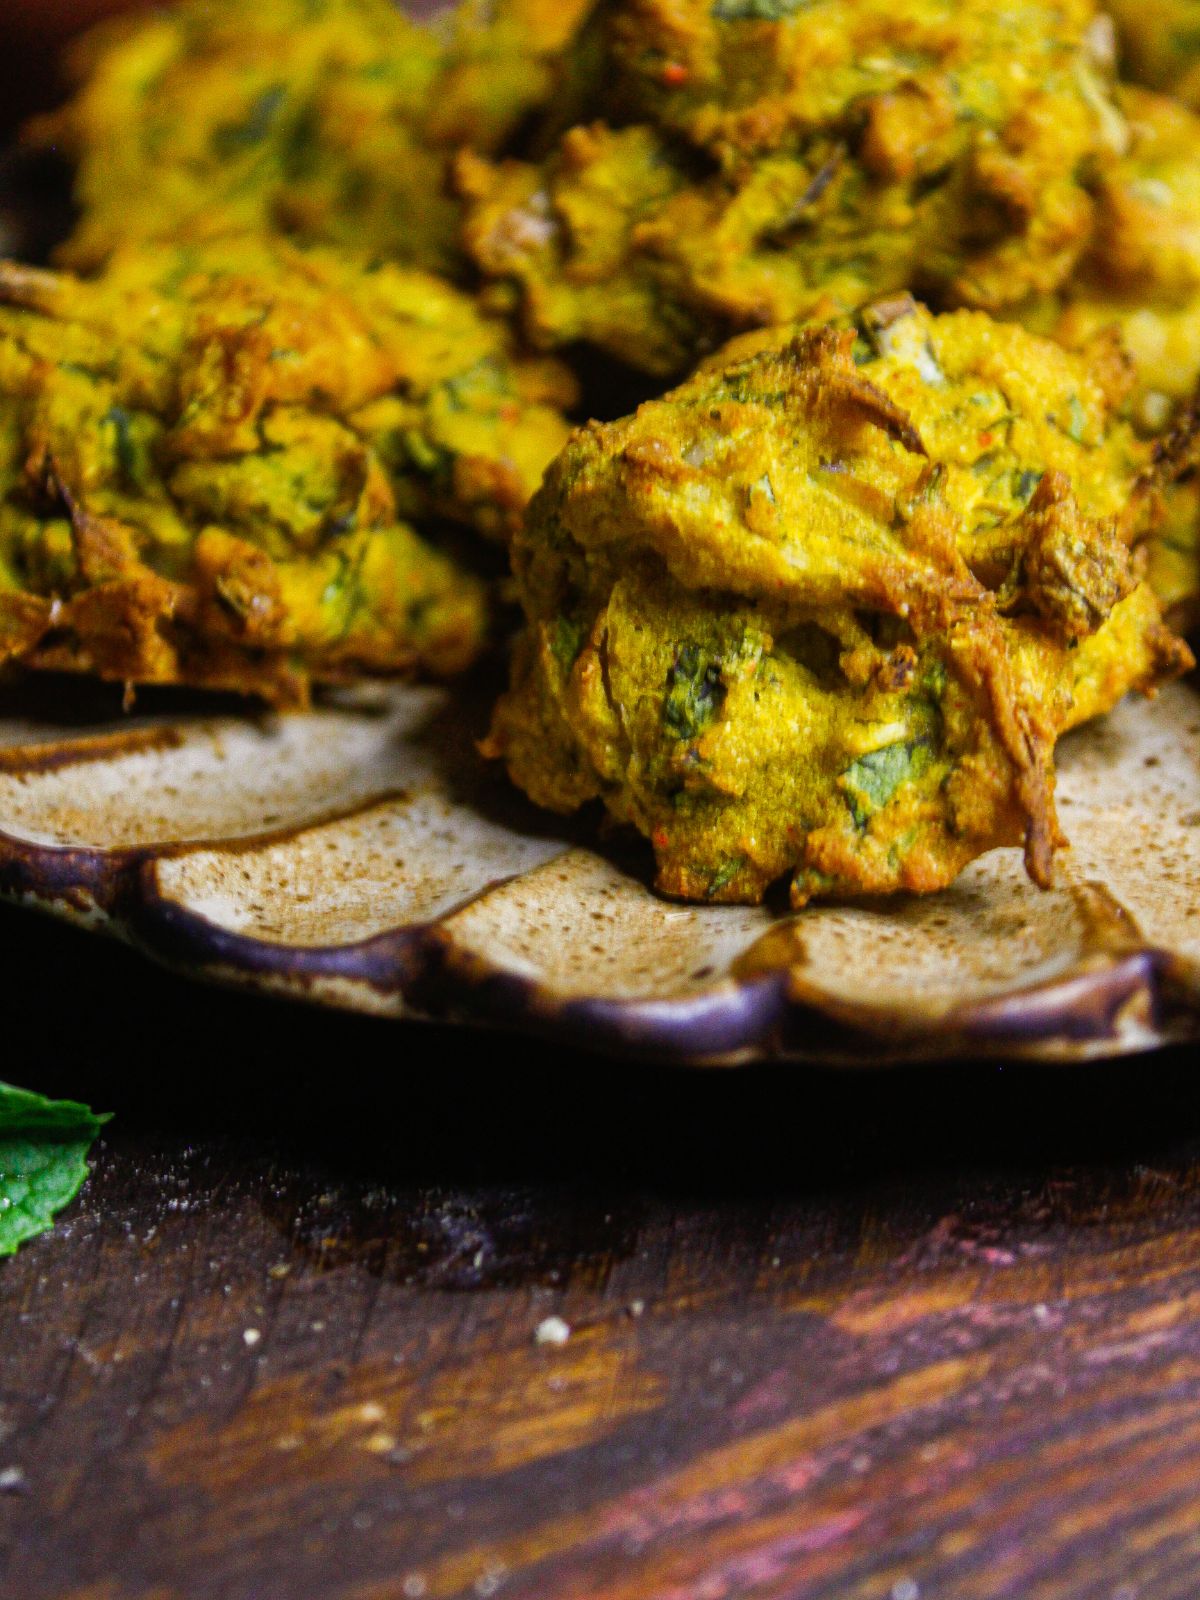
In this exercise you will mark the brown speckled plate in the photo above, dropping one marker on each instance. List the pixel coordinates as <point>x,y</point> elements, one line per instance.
<point>360,856</point>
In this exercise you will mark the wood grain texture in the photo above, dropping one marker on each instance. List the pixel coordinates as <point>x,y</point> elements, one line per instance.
<point>893,1336</point>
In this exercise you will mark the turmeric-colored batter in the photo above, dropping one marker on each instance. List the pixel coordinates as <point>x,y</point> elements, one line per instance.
<point>208,457</point>
<point>825,609</point>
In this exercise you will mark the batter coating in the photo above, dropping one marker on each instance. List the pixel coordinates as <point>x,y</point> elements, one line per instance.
<point>207,458</point>
<point>825,609</point>
<point>781,162</point>
<point>1142,272</point>
<point>1160,44</point>
<point>1141,279</point>
<point>328,120</point>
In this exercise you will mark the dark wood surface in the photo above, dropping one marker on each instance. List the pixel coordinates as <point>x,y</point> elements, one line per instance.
<point>898,1336</point>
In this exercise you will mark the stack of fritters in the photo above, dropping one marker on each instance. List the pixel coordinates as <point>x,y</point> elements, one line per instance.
<point>824,609</point>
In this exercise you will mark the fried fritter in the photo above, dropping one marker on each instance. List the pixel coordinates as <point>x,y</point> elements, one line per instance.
<point>1142,271</point>
<point>826,608</point>
<point>1173,555</point>
<point>329,120</point>
<point>464,422</point>
<point>750,76</point>
<point>786,162</point>
<point>1141,279</point>
<point>207,457</point>
<point>565,235</point>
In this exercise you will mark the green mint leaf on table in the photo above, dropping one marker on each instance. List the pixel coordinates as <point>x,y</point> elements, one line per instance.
<point>43,1149</point>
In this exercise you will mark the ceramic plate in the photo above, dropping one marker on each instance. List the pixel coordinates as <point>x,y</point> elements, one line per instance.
<point>361,856</point>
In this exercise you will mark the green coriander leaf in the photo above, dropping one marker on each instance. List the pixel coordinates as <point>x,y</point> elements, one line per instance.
<point>566,641</point>
<point>43,1149</point>
<point>119,420</point>
<point>873,779</point>
<point>724,875</point>
<point>232,138</point>
<point>695,692</point>
<point>1077,420</point>
<point>757,10</point>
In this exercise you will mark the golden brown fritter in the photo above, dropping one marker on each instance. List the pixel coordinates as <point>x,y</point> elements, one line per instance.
<point>207,457</point>
<point>1173,553</point>
<point>1142,271</point>
<point>750,76</point>
<point>825,609</point>
<point>1141,280</point>
<point>329,120</point>
<point>786,161</point>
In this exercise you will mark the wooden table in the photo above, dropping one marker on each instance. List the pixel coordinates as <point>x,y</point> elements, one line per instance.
<point>898,1336</point>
